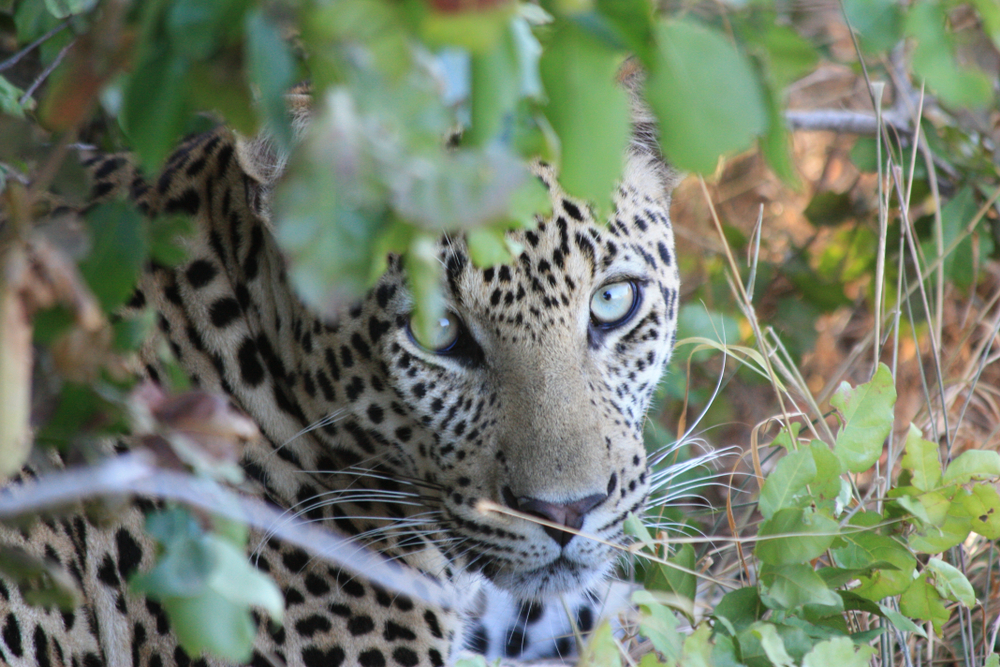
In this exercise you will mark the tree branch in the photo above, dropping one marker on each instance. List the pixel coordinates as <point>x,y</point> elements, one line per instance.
<point>136,474</point>
<point>842,120</point>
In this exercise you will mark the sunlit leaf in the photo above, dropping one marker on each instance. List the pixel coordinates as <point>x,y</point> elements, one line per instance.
<point>794,536</point>
<point>934,58</point>
<point>839,651</point>
<point>951,583</point>
<point>921,458</point>
<point>973,464</point>
<point>774,647</point>
<point>877,23</point>
<point>868,415</point>
<point>588,111</point>
<point>119,248</point>
<point>788,479</point>
<point>705,95</point>
<point>795,585</point>
<point>922,601</point>
<point>865,548</point>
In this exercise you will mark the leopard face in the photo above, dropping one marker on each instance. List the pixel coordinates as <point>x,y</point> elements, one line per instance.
<point>532,394</point>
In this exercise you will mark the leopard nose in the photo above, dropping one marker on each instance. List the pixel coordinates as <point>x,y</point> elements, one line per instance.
<point>570,515</point>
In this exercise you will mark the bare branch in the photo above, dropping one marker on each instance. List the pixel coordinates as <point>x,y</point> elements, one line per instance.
<point>14,59</point>
<point>842,120</point>
<point>136,474</point>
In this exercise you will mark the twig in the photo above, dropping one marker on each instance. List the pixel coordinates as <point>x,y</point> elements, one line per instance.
<point>135,474</point>
<point>14,59</point>
<point>841,120</point>
<point>45,73</point>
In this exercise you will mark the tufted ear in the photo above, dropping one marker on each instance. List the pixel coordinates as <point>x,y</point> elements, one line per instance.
<point>260,157</point>
<point>645,130</point>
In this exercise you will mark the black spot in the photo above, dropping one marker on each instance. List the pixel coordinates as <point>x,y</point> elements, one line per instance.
<point>405,656</point>
<point>314,657</point>
<point>346,358</point>
<point>359,344</point>
<point>585,619</point>
<point>108,166</point>
<point>295,559</point>
<point>394,631</point>
<point>435,657</point>
<point>530,611</point>
<point>432,624</point>
<point>107,572</point>
<point>310,625</point>
<point>371,658</point>
<point>200,273</point>
<point>293,596</point>
<point>316,585</point>
<point>495,297</point>
<point>573,210</point>
<point>224,311</point>
<point>251,266</point>
<point>515,642</point>
<point>375,413</point>
<point>341,610</point>
<point>12,636</point>
<point>479,641</point>
<point>129,553</point>
<point>41,648</point>
<point>186,202</point>
<point>664,252</point>
<point>250,367</point>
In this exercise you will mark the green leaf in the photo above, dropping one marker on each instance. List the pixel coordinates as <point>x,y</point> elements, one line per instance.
<point>922,601</point>
<point>973,465</point>
<point>902,622</point>
<point>661,577</point>
<point>950,531</point>
<point>795,585</point>
<point>839,651</point>
<point>698,650</point>
<point>588,111</point>
<point>982,505</point>
<point>794,536</point>
<point>868,414</point>
<point>866,548</point>
<point>786,482</point>
<point>773,646</point>
<point>659,625</point>
<point>424,272</point>
<point>921,458</point>
<point>488,246</point>
<point>951,583</point>
<point>271,70</point>
<point>705,95</point>
<point>155,104</point>
<point>742,608</point>
<point>934,58</point>
<point>119,248</point>
<point>495,90</point>
<point>64,8</point>
<point>601,650</point>
<point>829,208</point>
<point>955,216</point>
<point>877,23</point>
<point>211,623</point>
<point>10,96</point>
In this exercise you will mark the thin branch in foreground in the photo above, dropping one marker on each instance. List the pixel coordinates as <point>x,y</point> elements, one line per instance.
<point>842,120</point>
<point>136,474</point>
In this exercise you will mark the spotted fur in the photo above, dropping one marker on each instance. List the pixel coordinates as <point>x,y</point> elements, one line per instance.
<point>540,408</point>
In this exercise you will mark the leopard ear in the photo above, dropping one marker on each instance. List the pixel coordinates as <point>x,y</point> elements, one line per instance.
<point>260,156</point>
<point>644,144</point>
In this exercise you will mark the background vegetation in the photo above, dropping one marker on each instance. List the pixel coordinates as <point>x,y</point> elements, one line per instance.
<point>847,271</point>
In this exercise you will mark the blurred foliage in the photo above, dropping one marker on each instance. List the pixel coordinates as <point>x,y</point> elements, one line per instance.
<point>425,114</point>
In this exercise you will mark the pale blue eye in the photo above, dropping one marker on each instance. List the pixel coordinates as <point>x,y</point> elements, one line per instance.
<point>442,335</point>
<point>613,302</point>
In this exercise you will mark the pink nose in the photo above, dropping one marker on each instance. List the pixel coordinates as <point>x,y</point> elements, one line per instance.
<point>570,515</point>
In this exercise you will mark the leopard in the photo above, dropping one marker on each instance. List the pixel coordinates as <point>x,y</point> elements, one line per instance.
<point>530,394</point>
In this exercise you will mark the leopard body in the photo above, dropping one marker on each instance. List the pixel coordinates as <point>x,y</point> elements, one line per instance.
<point>537,409</point>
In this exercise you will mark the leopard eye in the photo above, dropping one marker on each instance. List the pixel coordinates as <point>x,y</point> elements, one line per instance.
<point>443,334</point>
<point>614,303</point>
